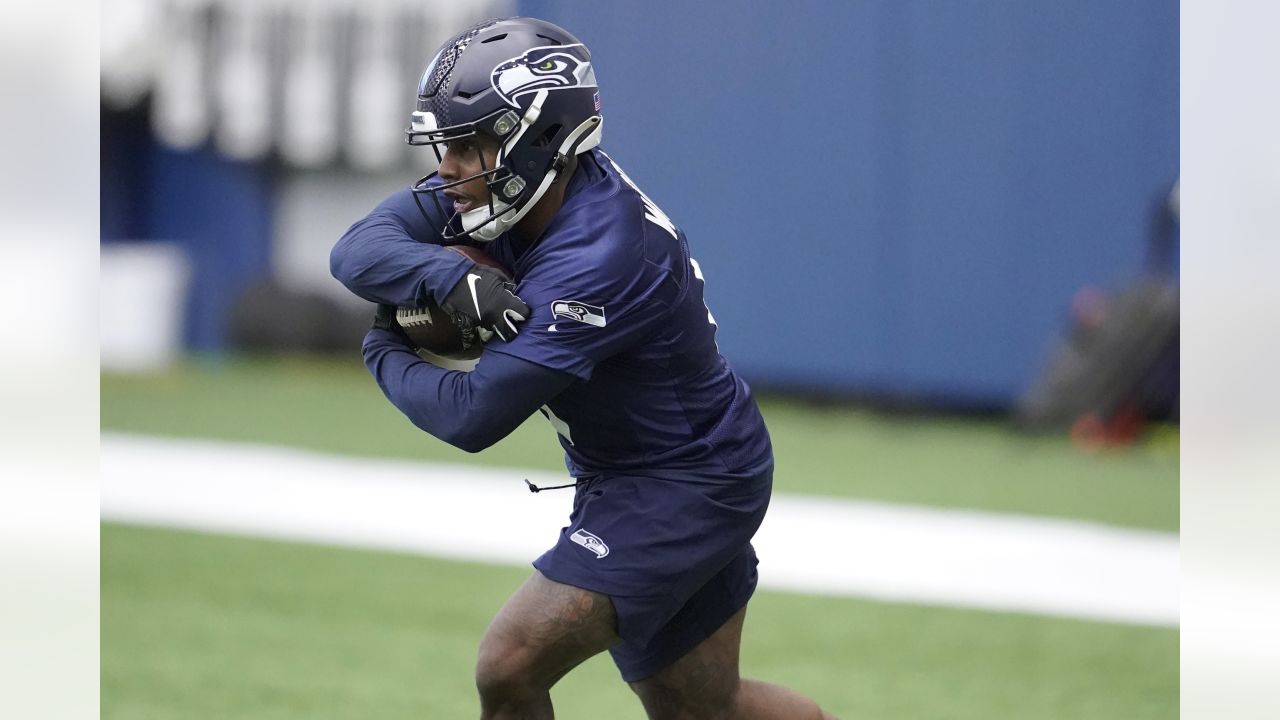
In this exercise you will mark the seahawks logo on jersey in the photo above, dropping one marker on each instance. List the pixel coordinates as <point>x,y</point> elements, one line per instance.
<point>553,67</point>
<point>580,311</point>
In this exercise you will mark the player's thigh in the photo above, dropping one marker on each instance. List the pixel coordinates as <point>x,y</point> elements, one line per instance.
<point>703,683</point>
<point>544,630</point>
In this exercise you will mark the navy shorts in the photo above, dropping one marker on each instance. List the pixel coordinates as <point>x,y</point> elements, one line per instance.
<point>674,556</point>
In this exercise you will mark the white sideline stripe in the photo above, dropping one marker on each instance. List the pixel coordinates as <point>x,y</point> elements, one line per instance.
<point>815,545</point>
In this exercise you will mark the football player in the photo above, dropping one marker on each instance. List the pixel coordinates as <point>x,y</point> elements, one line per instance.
<point>605,333</point>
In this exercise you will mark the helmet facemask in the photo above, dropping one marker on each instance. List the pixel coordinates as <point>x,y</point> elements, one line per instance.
<point>483,223</point>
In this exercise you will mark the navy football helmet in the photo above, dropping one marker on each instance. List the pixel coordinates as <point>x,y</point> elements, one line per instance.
<point>523,82</point>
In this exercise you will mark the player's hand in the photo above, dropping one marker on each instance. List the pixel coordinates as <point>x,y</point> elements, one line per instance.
<point>486,299</point>
<point>384,318</point>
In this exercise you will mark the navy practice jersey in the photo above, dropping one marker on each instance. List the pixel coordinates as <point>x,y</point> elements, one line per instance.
<point>616,302</point>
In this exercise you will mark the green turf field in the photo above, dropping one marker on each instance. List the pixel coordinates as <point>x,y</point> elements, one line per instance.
<point>197,626</point>
<point>334,406</point>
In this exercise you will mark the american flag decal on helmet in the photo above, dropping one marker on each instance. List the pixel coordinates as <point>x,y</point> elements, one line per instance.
<point>596,99</point>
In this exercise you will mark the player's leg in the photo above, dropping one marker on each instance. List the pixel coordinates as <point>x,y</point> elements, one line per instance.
<point>704,685</point>
<point>542,632</point>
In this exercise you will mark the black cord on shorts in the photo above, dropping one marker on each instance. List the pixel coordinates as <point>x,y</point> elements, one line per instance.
<point>535,489</point>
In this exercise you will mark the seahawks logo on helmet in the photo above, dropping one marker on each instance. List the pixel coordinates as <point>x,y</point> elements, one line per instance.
<point>552,67</point>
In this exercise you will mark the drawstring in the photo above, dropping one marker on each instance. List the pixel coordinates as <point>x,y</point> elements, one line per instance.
<point>535,489</point>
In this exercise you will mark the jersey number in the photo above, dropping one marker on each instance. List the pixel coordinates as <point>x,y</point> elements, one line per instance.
<point>652,212</point>
<point>697,272</point>
<point>561,426</point>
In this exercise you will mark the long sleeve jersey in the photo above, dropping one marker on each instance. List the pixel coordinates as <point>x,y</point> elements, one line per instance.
<point>618,353</point>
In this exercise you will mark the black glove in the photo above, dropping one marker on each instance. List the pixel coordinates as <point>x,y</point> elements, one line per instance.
<point>384,318</point>
<point>483,296</point>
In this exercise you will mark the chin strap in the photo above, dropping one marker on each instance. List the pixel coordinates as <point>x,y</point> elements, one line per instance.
<point>583,138</point>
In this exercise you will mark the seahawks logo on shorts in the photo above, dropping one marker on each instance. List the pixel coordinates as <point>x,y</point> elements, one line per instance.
<point>580,311</point>
<point>590,542</point>
<point>550,67</point>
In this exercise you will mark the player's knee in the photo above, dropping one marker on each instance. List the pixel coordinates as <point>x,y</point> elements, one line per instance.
<point>705,696</point>
<point>504,671</point>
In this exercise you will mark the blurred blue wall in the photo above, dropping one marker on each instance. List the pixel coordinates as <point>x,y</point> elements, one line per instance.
<point>219,211</point>
<point>889,197</point>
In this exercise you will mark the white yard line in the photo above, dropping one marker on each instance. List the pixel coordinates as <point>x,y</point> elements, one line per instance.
<point>816,545</point>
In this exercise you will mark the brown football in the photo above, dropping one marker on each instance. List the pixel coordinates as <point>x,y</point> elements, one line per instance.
<point>433,330</point>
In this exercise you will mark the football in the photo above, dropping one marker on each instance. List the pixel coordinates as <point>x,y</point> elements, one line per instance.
<point>434,331</point>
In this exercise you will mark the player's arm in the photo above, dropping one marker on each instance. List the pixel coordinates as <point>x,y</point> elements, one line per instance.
<point>393,256</point>
<point>470,411</point>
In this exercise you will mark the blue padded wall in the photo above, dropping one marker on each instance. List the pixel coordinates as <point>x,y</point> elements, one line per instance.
<point>220,212</point>
<point>887,197</point>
